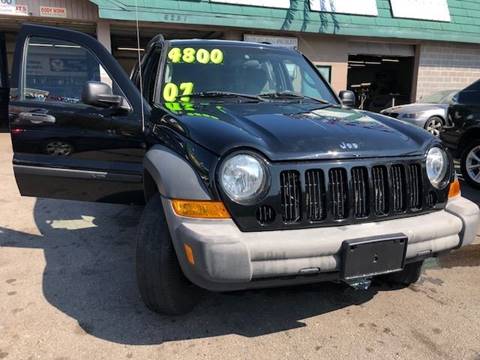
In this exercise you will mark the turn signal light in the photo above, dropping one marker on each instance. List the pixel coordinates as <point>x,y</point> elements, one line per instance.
<point>454,190</point>
<point>189,254</point>
<point>200,209</point>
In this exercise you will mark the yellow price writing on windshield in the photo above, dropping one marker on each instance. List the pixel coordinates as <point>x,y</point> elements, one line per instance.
<point>191,55</point>
<point>171,91</point>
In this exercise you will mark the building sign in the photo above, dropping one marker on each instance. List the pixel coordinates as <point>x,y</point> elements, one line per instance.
<point>8,7</point>
<point>283,4</point>
<point>21,10</point>
<point>357,7</point>
<point>51,11</point>
<point>288,42</point>
<point>421,9</point>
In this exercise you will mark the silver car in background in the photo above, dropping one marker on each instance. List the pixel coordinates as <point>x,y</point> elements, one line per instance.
<point>430,112</point>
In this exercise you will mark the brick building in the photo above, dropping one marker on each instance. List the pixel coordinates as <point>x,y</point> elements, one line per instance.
<point>393,50</point>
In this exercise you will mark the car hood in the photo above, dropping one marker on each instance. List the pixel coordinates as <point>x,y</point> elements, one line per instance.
<point>415,108</point>
<point>296,131</point>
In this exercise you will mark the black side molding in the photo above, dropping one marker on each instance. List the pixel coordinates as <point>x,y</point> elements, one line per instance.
<point>76,174</point>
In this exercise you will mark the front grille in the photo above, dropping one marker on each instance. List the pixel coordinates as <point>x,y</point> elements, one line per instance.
<point>414,186</point>
<point>291,196</point>
<point>338,186</point>
<point>356,193</point>
<point>397,177</point>
<point>315,195</point>
<point>380,190</point>
<point>265,215</point>
<point>361,207</point>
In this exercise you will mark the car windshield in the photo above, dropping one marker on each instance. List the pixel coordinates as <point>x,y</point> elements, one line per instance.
<point>253,73</point>
<point>441,97</point>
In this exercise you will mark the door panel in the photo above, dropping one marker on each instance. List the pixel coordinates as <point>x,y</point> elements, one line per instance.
<point>65,147</point>
<point>4,90</point>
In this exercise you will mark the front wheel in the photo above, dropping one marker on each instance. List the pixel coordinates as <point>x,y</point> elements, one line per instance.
<point>434,126</point>
<point>409,275</point>
<point>470,164</point>
<point>162,284</point>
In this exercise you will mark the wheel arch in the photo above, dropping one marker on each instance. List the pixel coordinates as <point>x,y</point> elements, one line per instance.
<point>436,116</point>
<point>167,173</point>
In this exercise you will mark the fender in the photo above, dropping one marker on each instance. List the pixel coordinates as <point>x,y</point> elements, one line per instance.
<point>174,176</point>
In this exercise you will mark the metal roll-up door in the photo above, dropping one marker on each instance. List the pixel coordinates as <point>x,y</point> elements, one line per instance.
<point>381,49</point>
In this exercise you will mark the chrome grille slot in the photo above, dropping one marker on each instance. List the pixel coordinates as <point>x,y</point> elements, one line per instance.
<point>380,190</point>
<point>360,199</point>
<point>315,195</point>
<point>291,195</point>
<point>398,188</point>
<point>415,186</point>
<point>338,186</point>
<point>265,215</point>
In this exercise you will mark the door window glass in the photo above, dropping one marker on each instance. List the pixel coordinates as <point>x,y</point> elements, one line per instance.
<point>326,72</point>
<point>57,70</point>
<point>301,81</point>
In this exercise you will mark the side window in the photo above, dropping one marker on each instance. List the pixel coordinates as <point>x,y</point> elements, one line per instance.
<point>303,79</point>
<point>300,81</point>
<point>469,97</point>
<point>57,70</point>
<point>474,87</point>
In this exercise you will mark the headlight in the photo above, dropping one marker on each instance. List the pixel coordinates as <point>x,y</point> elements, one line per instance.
<point>410,116</point>
<point>243,178</point>
<point>437,167</point>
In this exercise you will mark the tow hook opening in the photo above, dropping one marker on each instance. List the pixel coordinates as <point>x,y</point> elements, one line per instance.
<point>360,283</point>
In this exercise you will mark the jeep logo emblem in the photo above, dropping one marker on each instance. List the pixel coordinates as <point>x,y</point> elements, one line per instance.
<point>349,146</point>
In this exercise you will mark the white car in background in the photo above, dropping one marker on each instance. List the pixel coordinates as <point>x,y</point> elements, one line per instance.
<point>430,112</point>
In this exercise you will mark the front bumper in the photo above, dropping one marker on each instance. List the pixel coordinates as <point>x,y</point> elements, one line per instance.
<point>228,259</point>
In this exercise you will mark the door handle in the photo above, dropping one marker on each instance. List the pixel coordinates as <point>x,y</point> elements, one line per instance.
<point>37,118</point>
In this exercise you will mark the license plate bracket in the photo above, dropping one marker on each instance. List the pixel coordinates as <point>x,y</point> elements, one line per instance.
<point>371,256</point>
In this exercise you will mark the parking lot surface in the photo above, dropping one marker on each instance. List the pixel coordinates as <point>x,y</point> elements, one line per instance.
<point>68,291</point>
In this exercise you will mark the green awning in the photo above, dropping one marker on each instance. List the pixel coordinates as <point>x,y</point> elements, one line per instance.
<point>464,27</point>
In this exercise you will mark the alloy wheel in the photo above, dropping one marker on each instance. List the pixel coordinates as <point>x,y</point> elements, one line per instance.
<point>473,164</point>
<point>58,148</point>
<point>434,126</point>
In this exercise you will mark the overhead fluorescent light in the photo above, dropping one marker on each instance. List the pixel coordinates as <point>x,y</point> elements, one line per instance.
<point>391,60</point>
<point>68,46</point>
<point>358,65</point>
<point>373,63</point>
<point>355,62</point>
<point>129,49</point>
<point>40,45</point>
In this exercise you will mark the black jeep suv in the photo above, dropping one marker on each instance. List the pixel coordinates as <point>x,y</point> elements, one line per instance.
<point>253,172</point>
<point>463,134</point>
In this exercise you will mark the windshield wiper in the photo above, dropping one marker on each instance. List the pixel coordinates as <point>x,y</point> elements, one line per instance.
<point>213,94</point>
<point>291,95</point>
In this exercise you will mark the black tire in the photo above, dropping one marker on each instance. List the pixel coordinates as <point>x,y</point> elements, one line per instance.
<point>463,164</point>
<point>409,275</point>
<point>162,284</point>
<point>432,125</point>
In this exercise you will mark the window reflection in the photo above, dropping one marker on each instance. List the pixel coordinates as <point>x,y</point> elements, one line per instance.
<point>56,71</point>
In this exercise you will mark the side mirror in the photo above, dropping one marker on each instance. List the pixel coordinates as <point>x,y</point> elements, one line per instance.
<point>101,95</point>
<point>348,98</point>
